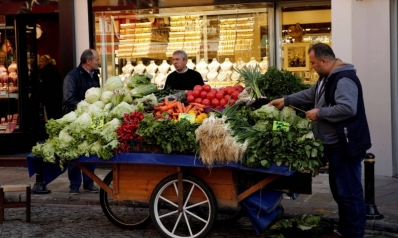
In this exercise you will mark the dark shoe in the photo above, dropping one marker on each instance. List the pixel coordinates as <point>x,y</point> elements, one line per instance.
<point>74,191</point>
<point>92,189</point>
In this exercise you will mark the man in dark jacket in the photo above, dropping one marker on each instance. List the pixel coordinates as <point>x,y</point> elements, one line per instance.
<point>182,78</point>
<point>76,83</point>
<point>339,120</point>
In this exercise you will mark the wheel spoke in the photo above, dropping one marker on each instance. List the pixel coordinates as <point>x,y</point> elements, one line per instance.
<point>189,195</point>
<point>196,204</point>
<point>178,221</point>
<point>189,227</point>
<point>196,216</point>
<point>168,214</point>
<point>168,201</point>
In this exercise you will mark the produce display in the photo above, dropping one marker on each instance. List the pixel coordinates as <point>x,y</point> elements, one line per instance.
<point>214,123</point>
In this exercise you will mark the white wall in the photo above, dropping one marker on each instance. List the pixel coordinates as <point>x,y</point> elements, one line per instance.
<point>361,36</point>
<point>81,28</point>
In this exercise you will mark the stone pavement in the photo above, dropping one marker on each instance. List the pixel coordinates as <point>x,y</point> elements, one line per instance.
<point>320,202</point>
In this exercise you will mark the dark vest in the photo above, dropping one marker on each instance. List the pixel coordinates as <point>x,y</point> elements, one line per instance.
<point>353,133</point>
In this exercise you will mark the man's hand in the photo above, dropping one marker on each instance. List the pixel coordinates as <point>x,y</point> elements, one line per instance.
<point>278,103</point>
<point>312,114</point>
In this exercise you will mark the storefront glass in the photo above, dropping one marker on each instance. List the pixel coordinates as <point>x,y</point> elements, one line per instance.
<point>9,84</point>
<point>216,38</point>
<point>300,27</point>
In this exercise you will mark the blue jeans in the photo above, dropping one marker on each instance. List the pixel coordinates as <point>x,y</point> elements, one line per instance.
<point>346,187</point>
<point>75,176</point>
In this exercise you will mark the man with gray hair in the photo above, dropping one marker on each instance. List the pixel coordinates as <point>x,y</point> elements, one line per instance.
<point>76,83</point>
<point>182,78</point>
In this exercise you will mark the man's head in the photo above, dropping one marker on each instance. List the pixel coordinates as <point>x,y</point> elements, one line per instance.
<point>90,60</point>
<point>322,59</point>
<point>180,59</point>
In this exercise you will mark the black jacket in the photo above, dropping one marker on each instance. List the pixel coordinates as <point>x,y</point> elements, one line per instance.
<point>50,90</point>
<point>353,132</point>
<point>76,83</point>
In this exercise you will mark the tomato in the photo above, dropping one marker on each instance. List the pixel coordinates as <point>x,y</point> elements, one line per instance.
<point>196,93</point>
<point>239,87</point>
<point>206,102</point>
<point>189,92</point>
<point>230,90</point>
<point>197,87</point>
<point>219,95</point>
<point>190,98</point>
<point>211,96</point>
<point>235,94</point>
<point>231,101</point>
<point>215,102</point>
<point>206,87</point>
<point>203,94</point>
<point>223,102</point>
<point>214,90</point>
<point>222,91</point>
<point>198,100</point>
<point>227,97</point>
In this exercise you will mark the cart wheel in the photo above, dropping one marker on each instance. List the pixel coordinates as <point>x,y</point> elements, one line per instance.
<point>123,213</point>
<point>168,221</point>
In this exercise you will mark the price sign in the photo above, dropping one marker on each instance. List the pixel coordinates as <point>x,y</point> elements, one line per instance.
<point>97,122</point>
<point>186,116</point>
<point>280,125</point>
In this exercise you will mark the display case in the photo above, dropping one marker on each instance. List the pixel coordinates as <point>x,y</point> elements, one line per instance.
<point>296,57</point>
<point>226,33</point>
<point>9,82</point>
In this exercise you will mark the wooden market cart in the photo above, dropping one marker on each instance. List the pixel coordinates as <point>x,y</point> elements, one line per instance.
<point>180,195</point>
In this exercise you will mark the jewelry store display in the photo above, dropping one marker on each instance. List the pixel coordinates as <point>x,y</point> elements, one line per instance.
<point>263,65</point>
<point>151,69</point>
<point>135,40</point>
<point>139,68</point>
<point>213,70</point>
<point>160,78</point>
<point>190,64</point>
<point>185,34</point>
<point>225,72</point>
<point>201,67</point>
<point>127,70</point>
<point>236,35</point>
<point>252,63</point>
<point>240,64</point>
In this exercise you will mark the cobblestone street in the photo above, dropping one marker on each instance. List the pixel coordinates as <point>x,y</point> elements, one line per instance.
<point>87,221</point>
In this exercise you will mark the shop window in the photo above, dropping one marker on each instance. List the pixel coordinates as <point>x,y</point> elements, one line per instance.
<point>216,39</point>
<point>9,83</point>
<point>302,27</point>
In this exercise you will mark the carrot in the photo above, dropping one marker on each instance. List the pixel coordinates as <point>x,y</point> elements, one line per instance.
<point>161,104</point>
<point>176,114</point>
<point>179,107</point>
<point>201,109</point>
<point>198,104</point>
<point>183,108</point>
<point>169,106</point>
<point>166,100</point>
<point>170,111</point>
<point>189,107</point>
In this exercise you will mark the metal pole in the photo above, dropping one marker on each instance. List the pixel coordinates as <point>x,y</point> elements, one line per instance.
<point>371,210</point>
<point>40,185</point>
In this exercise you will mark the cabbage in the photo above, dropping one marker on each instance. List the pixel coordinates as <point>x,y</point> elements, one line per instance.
<point>108,107</point>
<point>266,111</point>
<point>288,114</point>
<point>121,109</point>
<point>139,79</point>
<point>82,107</point>
<point>99,104</point>
<point>142,90</point>
<point>127,97</point>
<point>147,102</point>
<point>106,96</point>
<point>93,94</point>
<point>94,111</point>
<point>114,83</point>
